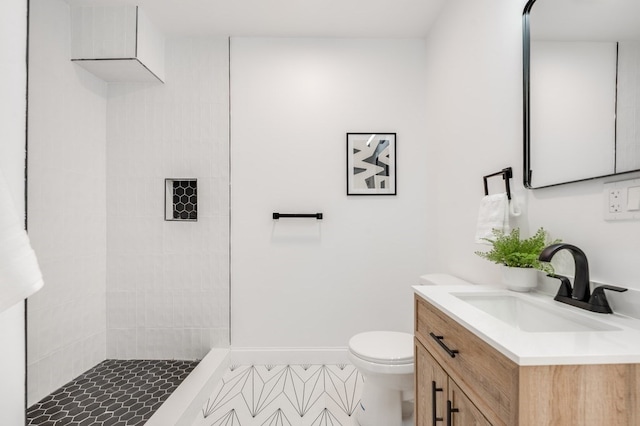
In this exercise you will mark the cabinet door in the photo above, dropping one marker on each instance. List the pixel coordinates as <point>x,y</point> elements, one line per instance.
<point>431,389</point>
<point>460,409</point>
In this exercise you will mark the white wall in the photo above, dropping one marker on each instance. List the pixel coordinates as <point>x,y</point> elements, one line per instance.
<point>67,205</point>
<point>474,81</point>
<point>313,284</point>
<point>13,36</point>
<point>168,282</point>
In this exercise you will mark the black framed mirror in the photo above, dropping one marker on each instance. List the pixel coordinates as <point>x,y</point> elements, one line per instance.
<point>581,81</point>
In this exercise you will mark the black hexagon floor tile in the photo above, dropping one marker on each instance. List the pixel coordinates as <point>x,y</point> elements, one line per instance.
<point>114,392</point>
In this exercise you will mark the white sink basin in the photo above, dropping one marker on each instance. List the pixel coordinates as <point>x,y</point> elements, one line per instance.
<point>533,329</point>
<point>530,316</point>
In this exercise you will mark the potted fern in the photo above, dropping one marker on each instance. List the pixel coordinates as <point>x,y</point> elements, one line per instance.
<point>518,257</point>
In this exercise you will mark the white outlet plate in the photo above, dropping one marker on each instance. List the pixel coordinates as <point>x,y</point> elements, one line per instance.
<point>616,200</point>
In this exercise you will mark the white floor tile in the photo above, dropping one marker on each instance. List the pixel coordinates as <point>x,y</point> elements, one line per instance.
<point>284,395</point>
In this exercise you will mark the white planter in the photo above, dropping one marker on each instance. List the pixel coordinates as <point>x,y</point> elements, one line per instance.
<point>519,279</point>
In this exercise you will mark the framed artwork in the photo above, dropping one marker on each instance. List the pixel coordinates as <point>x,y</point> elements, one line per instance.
<point>371,164</point>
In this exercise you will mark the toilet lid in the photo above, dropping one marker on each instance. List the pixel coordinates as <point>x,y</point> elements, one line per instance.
<point>383,347</point>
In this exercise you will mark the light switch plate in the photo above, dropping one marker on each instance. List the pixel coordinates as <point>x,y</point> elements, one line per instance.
<point>633,198</point>
<point>622,200</point>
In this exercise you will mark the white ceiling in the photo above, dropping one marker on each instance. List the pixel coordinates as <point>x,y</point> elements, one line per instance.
<point>284,18</point>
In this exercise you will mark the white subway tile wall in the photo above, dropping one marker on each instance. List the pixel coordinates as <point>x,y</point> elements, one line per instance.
<point>90,39</point>
<point>168,282</point>
<point>66,206</point>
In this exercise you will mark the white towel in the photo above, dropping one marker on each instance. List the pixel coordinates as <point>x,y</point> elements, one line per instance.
<point>20,274</point>
<point>493,214</point>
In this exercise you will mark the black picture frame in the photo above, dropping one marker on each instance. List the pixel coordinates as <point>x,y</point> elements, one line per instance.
<point>371,163</point>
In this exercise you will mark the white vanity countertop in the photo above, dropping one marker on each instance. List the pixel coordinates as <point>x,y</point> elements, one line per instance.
<point>619,346</point>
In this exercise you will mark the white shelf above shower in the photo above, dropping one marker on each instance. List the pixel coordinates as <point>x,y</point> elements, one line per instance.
<point>117,44</point>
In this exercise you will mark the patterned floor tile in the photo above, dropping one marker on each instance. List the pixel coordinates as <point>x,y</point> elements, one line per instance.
<point>114,392</point>
<point>284,395</point>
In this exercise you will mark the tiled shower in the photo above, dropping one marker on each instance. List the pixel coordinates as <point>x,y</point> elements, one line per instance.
<point>167,281</point>
<point>121,281</point>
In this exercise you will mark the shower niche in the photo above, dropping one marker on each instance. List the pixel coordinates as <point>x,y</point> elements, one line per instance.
<point>181,200</point>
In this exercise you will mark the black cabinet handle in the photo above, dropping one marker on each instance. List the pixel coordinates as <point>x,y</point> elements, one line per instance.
<point>434,389</point>
<point>452,352</point>
<point>450,411</point>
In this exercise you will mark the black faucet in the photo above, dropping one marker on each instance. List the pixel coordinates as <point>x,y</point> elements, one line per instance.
<point>580,294</point>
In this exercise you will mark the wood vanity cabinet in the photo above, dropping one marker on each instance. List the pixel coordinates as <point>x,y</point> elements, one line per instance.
<point>463,381</point>
<point>442,401</point>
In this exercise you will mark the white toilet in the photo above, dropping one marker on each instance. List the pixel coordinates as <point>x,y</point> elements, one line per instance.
<point>385,359</point>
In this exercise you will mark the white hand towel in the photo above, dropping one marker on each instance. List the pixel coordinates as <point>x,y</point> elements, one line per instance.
<point>493,214</point>
<point>20,274</point>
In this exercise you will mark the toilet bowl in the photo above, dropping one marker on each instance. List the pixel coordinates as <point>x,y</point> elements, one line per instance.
<point>385,360</point>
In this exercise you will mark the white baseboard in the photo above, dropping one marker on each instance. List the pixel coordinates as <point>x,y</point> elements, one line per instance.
<point>285,356</point>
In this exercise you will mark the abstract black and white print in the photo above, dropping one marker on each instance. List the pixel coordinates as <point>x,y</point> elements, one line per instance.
<point>284,395</point>
<point>371,160</point>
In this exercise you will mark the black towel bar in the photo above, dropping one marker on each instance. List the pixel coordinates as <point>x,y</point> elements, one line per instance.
<point>506,175</point>
<point>277,216</point>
